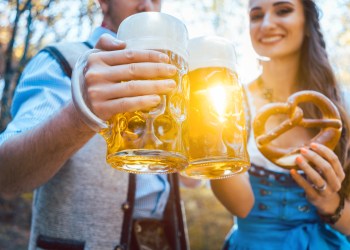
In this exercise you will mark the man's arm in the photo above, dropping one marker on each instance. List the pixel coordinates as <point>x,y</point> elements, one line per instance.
<point>115,83</point>
<point>32,158</point>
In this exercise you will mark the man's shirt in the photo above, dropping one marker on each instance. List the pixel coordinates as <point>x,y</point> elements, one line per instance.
<point>42,91</point>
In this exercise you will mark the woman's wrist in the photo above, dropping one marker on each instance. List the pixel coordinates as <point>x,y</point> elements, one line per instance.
<point>330,206</point>
<point>332,218</point>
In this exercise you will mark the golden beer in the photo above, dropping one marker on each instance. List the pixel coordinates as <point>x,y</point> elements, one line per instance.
<point>217,125</point>
<point>152,141</point>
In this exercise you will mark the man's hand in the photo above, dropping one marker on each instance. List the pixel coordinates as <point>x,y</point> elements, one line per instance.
<point>119,80</point>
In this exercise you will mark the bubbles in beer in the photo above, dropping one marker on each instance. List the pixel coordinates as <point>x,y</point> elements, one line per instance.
<point>158,131</point>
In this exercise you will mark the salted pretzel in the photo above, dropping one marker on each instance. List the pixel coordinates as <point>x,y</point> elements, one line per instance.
<point>330,126</point>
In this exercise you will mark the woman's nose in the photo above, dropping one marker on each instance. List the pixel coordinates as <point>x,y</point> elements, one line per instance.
<point>268,21</point>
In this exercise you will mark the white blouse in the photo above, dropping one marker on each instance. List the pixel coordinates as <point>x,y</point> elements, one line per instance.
<point>256,157</point>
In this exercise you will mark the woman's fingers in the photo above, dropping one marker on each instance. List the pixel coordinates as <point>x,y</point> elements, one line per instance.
<point>314,179</point>
<point>302,182</point>
<point>331,157</point>
<point>324,170</point>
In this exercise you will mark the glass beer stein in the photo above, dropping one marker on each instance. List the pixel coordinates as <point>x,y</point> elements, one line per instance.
<point>152,141</point>
<point>217,126</point>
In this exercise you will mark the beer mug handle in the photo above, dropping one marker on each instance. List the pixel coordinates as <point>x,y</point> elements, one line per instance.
<point>78,82</point>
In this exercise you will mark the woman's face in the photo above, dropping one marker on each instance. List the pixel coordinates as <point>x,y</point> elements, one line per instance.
<point>276,27</point>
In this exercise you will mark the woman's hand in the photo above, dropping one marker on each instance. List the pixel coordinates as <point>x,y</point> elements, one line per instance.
<point>324,175</point>
<point>119,80</point>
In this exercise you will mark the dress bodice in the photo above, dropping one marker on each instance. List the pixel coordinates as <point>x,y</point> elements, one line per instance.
<point>282,218</point>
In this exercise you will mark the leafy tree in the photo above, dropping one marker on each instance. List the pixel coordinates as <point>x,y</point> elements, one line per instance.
<point>26,26</point>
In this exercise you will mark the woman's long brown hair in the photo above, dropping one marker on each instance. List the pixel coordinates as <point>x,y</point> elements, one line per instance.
<point>316,74</point>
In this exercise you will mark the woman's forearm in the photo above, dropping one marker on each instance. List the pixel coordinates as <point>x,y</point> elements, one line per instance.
<point>235,193</point>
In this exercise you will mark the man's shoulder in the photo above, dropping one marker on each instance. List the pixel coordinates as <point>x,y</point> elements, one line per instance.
<point>69,46</point>
<point>67,53</point>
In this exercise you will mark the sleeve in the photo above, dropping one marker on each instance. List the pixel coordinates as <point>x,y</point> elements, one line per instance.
<point>42,90</point>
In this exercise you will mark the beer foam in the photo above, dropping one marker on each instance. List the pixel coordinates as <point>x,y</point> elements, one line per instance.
<point>154,30</point>
<point>211,51</point>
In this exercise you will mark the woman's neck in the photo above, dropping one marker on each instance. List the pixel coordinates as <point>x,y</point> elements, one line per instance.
<point>281,75</point>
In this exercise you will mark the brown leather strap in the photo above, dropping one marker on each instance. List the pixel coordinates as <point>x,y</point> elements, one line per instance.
<point>53,243</point>
<point>66,54</point>
<point>174,216</point>
<point>128,208</point>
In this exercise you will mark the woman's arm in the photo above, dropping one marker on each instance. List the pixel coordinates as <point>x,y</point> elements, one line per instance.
<point>235,193</point>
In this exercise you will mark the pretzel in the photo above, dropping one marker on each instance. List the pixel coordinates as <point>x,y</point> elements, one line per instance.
<point>330,126</point>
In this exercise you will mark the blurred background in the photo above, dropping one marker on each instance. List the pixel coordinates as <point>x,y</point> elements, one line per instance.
<point>26,26</point>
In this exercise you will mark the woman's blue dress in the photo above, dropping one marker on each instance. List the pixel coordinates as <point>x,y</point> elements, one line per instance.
<point>282,218</point>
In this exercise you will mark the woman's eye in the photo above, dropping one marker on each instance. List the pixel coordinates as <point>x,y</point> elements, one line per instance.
<point>284,11</point>
<point>256,17</point>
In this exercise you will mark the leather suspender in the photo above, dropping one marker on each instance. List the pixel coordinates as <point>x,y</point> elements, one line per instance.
<point>174,216</point>
<point>66,54</point>
<point>128,208</point>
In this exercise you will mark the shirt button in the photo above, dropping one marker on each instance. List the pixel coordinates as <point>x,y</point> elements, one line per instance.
<point>284,202</point>
<point>265,182</point>
<point>304,209</point>
<point>264,192</point>
<point>138,228</point>
<point>125,206</point>
<point>262,207</point>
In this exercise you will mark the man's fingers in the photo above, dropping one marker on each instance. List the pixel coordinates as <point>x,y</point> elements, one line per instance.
<point>110,91</point>
<point>141,71</point>
<point>105,110</point>
<point>128,72</point>
<point>109,43</point>
<point>139,88</point>
<point>127,56</point>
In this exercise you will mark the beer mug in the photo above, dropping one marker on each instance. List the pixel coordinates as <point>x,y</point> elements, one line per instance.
<point>217,125</point>
<point>151,141</point>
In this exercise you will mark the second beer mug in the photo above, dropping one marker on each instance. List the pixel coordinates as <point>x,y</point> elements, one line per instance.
<point>217,127</point>
<point>150,141</point>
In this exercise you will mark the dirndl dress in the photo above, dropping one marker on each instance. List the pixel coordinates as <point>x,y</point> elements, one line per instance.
<point>282,218</point>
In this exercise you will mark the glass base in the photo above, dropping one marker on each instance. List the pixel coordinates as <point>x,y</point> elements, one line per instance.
<point>147,161</point>
<point>215,168</point>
